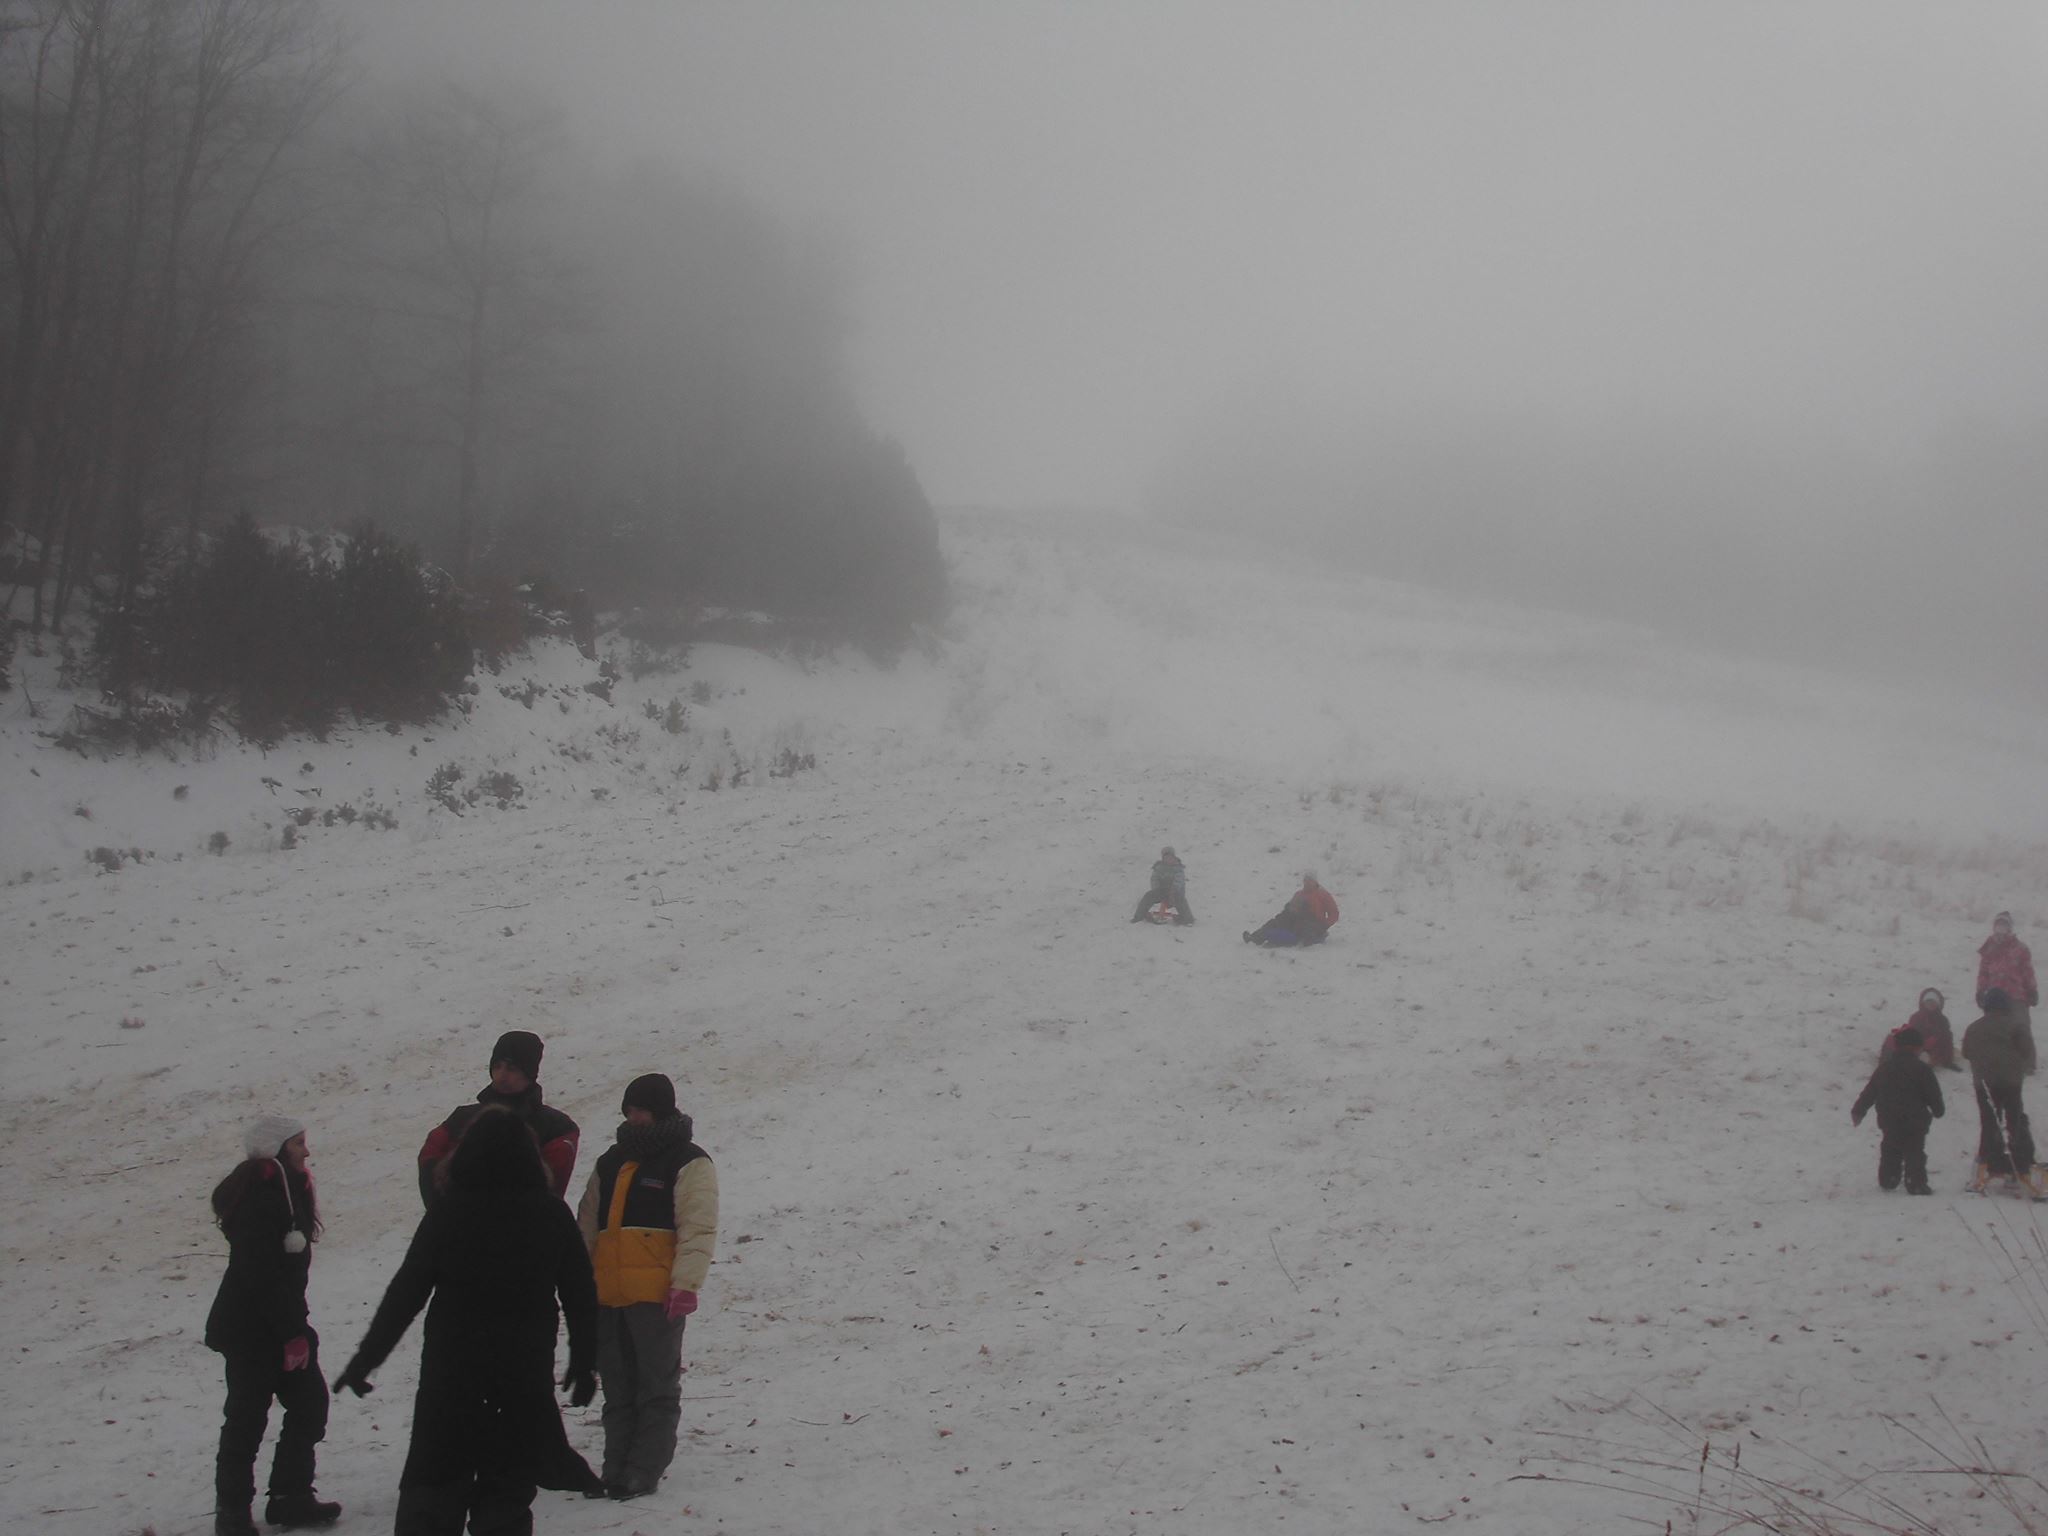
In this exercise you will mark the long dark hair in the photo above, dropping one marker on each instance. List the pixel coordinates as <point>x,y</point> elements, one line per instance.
<point>497,1151</point>
<point>231,1191</point>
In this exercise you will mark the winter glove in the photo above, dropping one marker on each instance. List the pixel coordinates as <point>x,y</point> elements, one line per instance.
<point>680,1304</point>
<point>355,1379</point>
<point>1855,1117</point>
<point>297,1352</point>
<point>581,1385</point>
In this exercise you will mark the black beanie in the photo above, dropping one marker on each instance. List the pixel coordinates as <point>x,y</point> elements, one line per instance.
<point>519,1048</point>
<point>651,1092</point>
<point>1908,1038</point>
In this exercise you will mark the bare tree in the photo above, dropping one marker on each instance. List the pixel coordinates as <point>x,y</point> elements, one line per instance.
<point>143,147</point>
<point>463,270</point>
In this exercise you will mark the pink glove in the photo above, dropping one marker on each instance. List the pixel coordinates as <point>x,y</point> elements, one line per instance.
<point>296,1353</point>
<point>679,1304</point>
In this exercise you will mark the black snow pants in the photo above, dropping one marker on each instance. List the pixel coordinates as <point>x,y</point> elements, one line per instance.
<point>255,1376</point>
<point>2005,1142</point>
<point>1178,900</point>
<point>494,1499</point>
<point>1902,1149</point>
<point>461,1467</point>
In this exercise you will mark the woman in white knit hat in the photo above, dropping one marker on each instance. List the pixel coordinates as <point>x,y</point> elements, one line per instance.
<point>259,1326</point>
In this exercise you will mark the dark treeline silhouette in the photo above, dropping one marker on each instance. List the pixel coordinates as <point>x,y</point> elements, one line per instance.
<point>239,278</point>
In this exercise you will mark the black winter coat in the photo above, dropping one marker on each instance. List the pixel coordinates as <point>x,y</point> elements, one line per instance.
<point>554,1132</point>
<point>494,1262</point>
<point>262,1298</point>
<point>1906,1093</point>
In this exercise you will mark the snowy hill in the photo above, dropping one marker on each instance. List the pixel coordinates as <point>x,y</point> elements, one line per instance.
<point>1491,1213</point>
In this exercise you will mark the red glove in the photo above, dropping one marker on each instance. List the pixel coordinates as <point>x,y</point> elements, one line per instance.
<point>679,1304</point>
<point>296,1353</point>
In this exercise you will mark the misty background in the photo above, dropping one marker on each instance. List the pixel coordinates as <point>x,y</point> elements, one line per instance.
<point>1731,319</point>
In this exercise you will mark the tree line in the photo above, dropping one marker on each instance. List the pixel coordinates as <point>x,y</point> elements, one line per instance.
<point>241,278</point>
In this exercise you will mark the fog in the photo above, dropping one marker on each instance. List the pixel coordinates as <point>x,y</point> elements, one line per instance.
<point>1732,317</point>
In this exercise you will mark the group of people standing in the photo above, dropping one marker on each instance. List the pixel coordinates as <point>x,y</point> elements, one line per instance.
<point>1999,1048</point>
<point>1307,918</point>
<point>496,1261</point>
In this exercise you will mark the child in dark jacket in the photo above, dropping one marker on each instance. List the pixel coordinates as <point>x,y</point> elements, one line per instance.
<point>1169,887</point>
<point>259,1326</point>
<point>1908,1101</point>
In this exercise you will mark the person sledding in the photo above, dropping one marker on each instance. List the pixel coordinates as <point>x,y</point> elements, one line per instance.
<point>1308,917</point>
<point>1169,889</point>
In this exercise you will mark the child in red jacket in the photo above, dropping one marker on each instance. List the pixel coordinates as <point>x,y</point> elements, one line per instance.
<point>1308,917</point>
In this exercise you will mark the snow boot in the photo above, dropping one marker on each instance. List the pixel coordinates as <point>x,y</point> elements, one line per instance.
<point>233,1522</point>
<point>300,1511</point>
<point>2035,1185</point>
<point>1980,1179</point>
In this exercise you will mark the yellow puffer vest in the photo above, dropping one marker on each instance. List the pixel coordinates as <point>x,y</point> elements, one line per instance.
<point>636,1237</point>
<point>632,1263</point>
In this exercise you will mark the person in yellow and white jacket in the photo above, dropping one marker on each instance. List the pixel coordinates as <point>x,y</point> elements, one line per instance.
<point>650,1218</point>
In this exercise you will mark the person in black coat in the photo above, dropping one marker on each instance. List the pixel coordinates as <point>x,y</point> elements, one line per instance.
<point>494,1253</point>
<point>260,1328</point>
<point>1908,1101</point>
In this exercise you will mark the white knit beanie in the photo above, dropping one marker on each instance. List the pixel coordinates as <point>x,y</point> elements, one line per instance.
<point>264,1138</point>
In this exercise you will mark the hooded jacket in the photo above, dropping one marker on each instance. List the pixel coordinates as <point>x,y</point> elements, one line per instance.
<point>1937,1035</point>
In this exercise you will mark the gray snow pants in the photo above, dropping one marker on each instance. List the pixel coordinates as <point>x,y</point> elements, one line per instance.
<point>640,1362</point>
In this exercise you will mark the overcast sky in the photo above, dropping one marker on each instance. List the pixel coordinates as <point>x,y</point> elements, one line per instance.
<point>1080,228</point>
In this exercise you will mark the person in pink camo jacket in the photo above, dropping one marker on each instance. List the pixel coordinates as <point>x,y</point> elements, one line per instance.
<point>2005,963</point>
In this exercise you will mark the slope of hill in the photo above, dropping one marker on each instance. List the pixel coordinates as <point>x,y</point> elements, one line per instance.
<point>1491,1213</point>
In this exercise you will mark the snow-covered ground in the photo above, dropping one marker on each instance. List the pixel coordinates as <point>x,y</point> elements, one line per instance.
<point>1533,1182</point>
